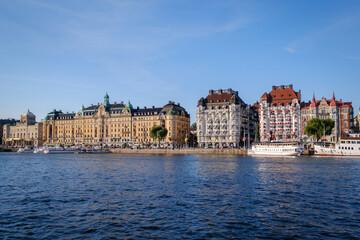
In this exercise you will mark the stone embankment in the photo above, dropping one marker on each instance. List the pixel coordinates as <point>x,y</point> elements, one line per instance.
<point>180,151</point>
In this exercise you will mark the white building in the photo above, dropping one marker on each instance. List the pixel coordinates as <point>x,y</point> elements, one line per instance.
<point>224,120</point>
<point>25,133</point>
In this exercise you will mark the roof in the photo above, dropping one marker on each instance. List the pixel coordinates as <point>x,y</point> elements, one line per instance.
<point>221,96</point>
<point>281,94</point>
<point>331,102</point>
<point>28,113</point>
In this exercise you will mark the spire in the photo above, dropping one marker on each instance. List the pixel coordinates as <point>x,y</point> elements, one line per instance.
<point>106,100</point>
<point>313,103</point>
<point>333,102</point>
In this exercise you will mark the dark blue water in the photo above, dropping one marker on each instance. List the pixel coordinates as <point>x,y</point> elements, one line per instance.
<point>178,197</point>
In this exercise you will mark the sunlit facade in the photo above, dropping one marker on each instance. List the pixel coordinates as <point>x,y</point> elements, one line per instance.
<point>115,124</point>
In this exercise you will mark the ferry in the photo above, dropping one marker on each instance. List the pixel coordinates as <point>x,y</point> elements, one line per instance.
<point>276,148</point>
<point>347,146</point>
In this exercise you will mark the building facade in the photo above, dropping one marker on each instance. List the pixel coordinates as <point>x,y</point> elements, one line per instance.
<point>279,114</point>
<point>115,124</point>
<point>339,111</point>
<point>26,132</point>
<point>357,123</point>
<point>224,120</point>
<point>3,122</point>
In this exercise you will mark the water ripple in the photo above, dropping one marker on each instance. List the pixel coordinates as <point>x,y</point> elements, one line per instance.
<point>178,197</point>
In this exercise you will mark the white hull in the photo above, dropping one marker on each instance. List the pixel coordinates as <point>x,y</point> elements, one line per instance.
<point>61,151</point>
<point>276,149</point>
<point>338,150</point>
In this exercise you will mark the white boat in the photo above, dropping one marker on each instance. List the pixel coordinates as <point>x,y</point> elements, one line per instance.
<point>276,149</point>
<point>38,150</point>
<point>57,150</point>
<point>347,146</point>
<point>25,150</point>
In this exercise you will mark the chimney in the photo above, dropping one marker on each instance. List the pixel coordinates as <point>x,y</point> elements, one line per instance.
<point>144,107</point>
<point>229,90</point>
<point>273,87</point>
<point>138,107</point>
<point>211,91</point>
<point>115,103</point>
<point>219,91</point>
<point>282,87</point>
<point>122,102</point>
<point>169,101</point>
<point>291,86</point>
<point>178,104</point>
<point>172,102</point>
<point>153,107</point>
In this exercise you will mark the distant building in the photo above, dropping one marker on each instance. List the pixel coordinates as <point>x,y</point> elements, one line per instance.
<point>339,111</point>
<point>357,123</point>
<point>2,123</point>
<point>27,132</point>
<point>224,120</point>
<point>279,114</point>
<point>115,124</point>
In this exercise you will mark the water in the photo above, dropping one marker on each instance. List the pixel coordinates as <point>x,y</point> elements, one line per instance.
<point>178,197</point>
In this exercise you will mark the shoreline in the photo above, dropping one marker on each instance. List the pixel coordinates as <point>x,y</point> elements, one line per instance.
<point>181,151</point>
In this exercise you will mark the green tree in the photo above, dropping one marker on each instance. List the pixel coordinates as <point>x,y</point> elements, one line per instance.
<point>315,127</point>
<point>193,125</point>
<point>158,132</point>
<point>257,133</point>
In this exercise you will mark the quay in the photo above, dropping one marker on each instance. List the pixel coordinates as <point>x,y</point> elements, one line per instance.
<point>181,151</point>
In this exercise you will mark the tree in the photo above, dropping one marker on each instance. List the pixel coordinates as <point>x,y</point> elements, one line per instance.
<point>193,125</point>
<point>158,133</point>
<point>315,127</point>
<point>257,133</point>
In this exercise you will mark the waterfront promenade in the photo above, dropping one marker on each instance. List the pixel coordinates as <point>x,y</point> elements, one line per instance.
<point>180,151</point>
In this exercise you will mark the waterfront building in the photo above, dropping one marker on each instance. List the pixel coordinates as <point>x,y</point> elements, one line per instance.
<point>26,132</point>
<point>279,114</point>
<point>3,122</point>
<point>115,124</point>
<point>357,123</point>
<point>339,111</point>
<point>224,120</point>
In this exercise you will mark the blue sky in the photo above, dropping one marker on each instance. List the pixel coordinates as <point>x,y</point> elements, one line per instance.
<point>62,54</point>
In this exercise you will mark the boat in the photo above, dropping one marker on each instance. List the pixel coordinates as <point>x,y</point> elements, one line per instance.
<point>276,148</point>
<point>25,150</point>
<point>38,150</point>
<point>346,146</point>
<point>61,150</point>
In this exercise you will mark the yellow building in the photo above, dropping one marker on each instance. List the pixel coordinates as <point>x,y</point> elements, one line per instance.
<point>114,124</point>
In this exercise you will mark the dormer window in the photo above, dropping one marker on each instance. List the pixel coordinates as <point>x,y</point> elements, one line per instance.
<point>274,96</point>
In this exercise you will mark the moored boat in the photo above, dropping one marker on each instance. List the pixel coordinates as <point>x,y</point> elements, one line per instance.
<point>276,149</point>
<point>347,146</point>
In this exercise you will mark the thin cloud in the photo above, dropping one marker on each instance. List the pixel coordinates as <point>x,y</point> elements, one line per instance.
<point>310,40</point>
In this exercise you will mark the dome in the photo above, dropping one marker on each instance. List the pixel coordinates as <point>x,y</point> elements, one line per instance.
<point>28,114</point>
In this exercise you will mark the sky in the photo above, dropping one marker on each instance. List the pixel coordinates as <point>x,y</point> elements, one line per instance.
<point>62,54</point>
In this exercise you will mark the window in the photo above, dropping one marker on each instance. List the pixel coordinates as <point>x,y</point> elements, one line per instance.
<point>345,124</point>
<point>345,116</point>
<point>345,110</point>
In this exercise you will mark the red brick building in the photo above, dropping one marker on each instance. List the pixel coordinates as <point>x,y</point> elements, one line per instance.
<point>339,111</point>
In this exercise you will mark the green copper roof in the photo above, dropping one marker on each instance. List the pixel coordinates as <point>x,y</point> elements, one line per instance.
<point>129,105</point>
<point>172,111</point>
